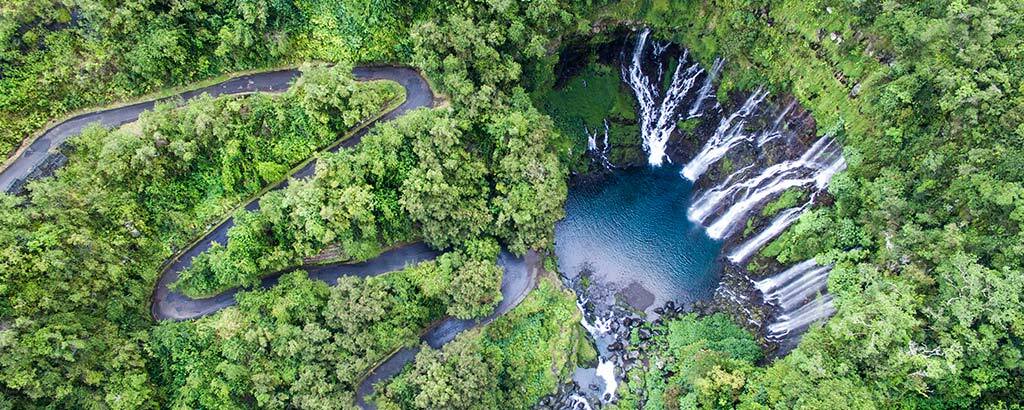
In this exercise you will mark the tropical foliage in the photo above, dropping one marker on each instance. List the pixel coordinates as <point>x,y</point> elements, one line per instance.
<point>303,343</point>
<point>510,364</point>
<point>82,250</point>
<point>57,56</point>
<point>705,363</point>
<point>925,227</point>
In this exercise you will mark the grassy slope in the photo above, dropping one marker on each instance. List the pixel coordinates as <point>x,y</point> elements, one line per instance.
<point>588,99</point>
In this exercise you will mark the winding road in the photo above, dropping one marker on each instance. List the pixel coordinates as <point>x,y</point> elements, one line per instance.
<point>519,277</point>
<point>168,304</point>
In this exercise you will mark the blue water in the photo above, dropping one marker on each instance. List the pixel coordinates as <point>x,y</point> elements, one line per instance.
<point>632,227</point>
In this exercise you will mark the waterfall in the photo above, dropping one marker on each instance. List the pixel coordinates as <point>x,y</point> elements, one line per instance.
<point>814,168</point>
<point>658,113</point>
<point>605,368</point>
<point>728,134</point>
<point>601,153</point>
<point>705,89</point>
<point>599,327</point>
<point>774,282</point>
<point>815,310</point>
<point>782,221</point>
<point>776,129</point>
<point>795,292</point>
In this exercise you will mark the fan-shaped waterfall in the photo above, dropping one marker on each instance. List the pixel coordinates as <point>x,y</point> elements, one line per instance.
<point>814,168</point>
<point>799,294</point>
<point>779,224</point>
<point>660,111</point>
<point>730,132</point>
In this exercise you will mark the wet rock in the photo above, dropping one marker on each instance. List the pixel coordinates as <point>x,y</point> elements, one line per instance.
<point>615,347</point>
<point>670,305</point>
<point>593,387</point>
<point>644,334</point>
<point>659,311</point>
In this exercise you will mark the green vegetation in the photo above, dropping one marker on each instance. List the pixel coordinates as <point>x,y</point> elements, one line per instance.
<point>303,343</point>
<point>588,99</point>
<point>82,250</point>
<point>687,126</point>
<point>447,176</point>
<point>418,176</point>
<point>788,199</point>
<point>60,56</point>
<point>508,364</point>
<point>924,229</point>
<point>705,363</point>
<point>926,226</point>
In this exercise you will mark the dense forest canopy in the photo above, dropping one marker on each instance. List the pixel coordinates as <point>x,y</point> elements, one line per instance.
<point>925,227</point>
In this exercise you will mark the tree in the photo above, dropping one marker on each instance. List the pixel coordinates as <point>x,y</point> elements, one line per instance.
<point>446,192</point>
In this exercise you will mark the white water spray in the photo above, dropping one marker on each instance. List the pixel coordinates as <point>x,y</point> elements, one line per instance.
<point>782,221</point>
<point>812,312</point>
<point>705,89</point>
<point>776,281</point>
<point>658,113</point>
<point>728,134</point>
<point>799,293</point>
<point>606,371</point>
<point>600,152</point>
<point>815,168</point>
<point>605,368</point>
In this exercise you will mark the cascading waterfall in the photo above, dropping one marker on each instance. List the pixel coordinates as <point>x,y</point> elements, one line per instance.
<point>786,217</point>
<point>705,89</point>
<point>809,313</point>
<point>708,203</point>
<point>793,294</point>
<point>730,133</point>
<point>782,221</point>
<point>605,368</point>
<point>799,293</point>
<point>771,283</point>
<point>601,153</point>
<point>814,168</point>
<point>659,113</point>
